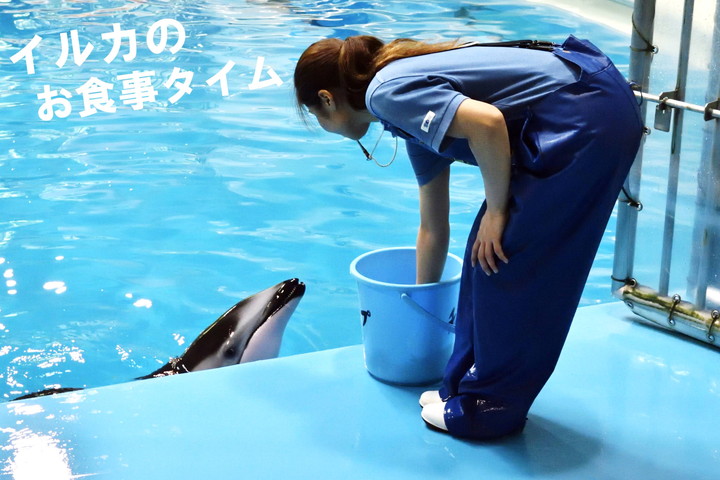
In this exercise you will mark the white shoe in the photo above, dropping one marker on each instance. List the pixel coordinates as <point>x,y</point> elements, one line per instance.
<point>434,415</point>
<point>429,397</point>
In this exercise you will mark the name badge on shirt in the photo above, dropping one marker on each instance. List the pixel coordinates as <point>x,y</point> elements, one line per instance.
<point>429,116</point>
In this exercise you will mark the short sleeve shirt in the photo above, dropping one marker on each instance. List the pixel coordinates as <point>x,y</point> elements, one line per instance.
<point>416,98</point>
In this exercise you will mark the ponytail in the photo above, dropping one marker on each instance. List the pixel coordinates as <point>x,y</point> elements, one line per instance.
<point>347,67</point>
<point>407,47</point>
<point>357,62</point>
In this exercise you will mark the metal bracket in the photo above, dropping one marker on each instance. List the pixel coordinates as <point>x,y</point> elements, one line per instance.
<point>631,202</point>
<point>716,317</point>
<point>663,113</point>
<point>709,107</point>
<point>676,300</point>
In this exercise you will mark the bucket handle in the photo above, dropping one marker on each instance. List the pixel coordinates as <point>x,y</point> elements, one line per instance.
<point>418,308</point>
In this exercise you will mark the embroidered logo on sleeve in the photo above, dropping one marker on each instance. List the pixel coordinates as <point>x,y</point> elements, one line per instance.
<point>425,127</point>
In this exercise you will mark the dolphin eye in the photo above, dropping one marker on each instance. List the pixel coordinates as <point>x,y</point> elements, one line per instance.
<point>230,352</point>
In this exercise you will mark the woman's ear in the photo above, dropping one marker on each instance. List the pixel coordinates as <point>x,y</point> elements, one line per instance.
<point>327,101</point>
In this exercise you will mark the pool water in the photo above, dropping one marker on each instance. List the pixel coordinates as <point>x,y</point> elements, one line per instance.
<point>123,234</point>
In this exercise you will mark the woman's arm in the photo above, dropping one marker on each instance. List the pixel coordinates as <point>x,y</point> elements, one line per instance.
<point>483,125</point>
<point>434,232</point>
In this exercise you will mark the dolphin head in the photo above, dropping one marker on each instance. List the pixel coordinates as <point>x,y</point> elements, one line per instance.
<point>251,330</point>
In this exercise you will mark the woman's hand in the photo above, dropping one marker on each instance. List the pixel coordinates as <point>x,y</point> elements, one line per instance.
<point>483,125</point>
<point>488,243</point>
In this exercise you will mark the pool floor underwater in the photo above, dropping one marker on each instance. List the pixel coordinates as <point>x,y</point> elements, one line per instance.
<point>626,402</point>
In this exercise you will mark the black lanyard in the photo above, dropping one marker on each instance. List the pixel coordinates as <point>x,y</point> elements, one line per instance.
<point>531,44</point>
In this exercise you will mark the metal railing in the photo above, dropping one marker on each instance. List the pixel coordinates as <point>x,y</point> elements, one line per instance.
<point>658,305</point>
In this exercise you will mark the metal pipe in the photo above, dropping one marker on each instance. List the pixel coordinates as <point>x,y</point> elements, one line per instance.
<point>675,147</point>
<point>641,52</point>
<point>703,259</point>
<point>672,313</point>
<point>672,103</point>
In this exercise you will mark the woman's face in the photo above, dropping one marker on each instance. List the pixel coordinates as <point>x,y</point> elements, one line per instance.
<point>335,115</point>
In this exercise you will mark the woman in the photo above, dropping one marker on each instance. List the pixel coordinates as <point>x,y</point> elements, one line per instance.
<point>554,132</point>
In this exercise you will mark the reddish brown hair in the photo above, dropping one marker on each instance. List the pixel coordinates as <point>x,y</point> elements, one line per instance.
<point>347,67</point>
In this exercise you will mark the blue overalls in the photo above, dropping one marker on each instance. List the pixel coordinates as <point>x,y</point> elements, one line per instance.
<point>571,152</point>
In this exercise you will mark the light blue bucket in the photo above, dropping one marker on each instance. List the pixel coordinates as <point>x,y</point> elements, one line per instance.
<point>407,329</point>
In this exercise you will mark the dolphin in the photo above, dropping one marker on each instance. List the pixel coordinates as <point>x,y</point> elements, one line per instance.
<point>251,330</point>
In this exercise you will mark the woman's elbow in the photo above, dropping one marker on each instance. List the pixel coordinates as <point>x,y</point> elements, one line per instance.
<point>437,232</point>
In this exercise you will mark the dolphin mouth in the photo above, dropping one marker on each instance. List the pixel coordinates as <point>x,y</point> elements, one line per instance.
<point>287,291</point>
<point>296,287</point>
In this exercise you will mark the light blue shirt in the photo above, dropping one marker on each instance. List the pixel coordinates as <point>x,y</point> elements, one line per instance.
<point>416,98</point>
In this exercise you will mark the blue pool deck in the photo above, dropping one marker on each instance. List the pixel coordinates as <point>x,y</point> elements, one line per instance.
<point>627,401</point>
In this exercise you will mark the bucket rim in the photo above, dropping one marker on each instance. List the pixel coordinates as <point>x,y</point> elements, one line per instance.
<point>413,286</point>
